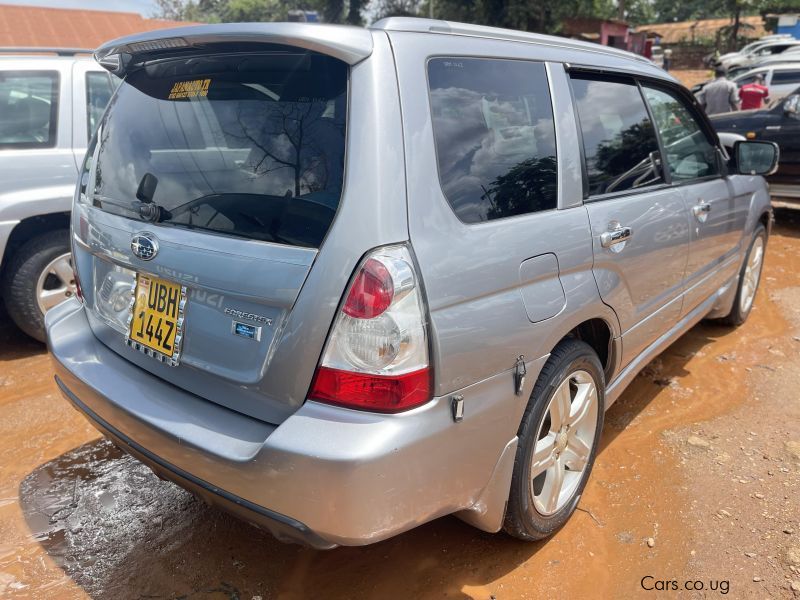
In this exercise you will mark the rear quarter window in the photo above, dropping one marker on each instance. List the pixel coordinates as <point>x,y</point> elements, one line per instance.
<point>495,137</point>
<point>28,109</point>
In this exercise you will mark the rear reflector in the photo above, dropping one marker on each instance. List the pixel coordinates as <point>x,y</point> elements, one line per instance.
<point>378,393</point>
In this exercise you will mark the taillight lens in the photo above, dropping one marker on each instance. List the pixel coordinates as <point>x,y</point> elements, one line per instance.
<point>376,357</point>
<point>371,292</point>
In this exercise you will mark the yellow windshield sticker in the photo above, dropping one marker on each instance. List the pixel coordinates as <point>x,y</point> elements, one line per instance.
<point>189,89</point>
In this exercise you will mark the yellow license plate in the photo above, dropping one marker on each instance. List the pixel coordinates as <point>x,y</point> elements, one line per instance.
<point>156,325</point>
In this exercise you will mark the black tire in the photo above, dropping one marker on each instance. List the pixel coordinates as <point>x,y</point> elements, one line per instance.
<point>22,274</point>
<point>523,520</point>
<point>737,316</point>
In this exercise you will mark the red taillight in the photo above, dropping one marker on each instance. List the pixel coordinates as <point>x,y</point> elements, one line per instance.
<point>376,355</point>
<point>381,393</point>
<point>371,293</point>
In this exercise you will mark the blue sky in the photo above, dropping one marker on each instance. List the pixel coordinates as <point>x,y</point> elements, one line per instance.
<point>145,7</point>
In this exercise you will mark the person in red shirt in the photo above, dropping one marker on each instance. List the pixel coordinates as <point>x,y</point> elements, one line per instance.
<point>753,95</point>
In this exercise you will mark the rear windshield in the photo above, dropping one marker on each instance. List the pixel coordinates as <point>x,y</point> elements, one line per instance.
<point>244,145</point>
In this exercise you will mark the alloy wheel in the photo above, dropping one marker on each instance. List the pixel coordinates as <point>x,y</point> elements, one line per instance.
<point>56,283</point>
<point>752,274</point>
<point>564,443</point>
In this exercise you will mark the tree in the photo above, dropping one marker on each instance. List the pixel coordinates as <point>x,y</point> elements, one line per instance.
<point>398,8</point>
<point>237,11</point>
<point>640,12</point>
<point>543,16</point>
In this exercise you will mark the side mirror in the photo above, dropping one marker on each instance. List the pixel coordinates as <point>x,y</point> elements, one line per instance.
<point>756,157</point>
<point>792,105</point>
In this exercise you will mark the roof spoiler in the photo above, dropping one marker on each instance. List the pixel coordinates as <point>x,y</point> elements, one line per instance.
<point>349,44</point>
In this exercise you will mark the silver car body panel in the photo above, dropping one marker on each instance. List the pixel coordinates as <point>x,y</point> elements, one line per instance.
<point>495,291</point>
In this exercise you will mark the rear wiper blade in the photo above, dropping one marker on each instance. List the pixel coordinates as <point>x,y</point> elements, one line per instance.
<point>148,210</point>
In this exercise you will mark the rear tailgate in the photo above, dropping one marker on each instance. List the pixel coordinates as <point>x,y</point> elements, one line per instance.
<point>240,157</point>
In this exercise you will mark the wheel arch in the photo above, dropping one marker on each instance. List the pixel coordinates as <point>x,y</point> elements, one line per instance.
<point>766,218</point>
<point>29,228</point>
<point>598,333</point>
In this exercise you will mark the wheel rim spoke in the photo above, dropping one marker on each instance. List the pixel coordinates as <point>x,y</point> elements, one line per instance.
<point>576,454</point>
<point>63,270</point>
<point>560,406</point>
<point>582,404</point>
<point>543,457</point>
<point>554,481</point>
<point>49,298</point>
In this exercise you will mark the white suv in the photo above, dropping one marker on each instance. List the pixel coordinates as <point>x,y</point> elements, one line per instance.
<point>50,102</point>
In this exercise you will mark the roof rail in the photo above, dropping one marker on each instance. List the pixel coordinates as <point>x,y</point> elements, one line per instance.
<point>418,25</point>
<point>43,50</point>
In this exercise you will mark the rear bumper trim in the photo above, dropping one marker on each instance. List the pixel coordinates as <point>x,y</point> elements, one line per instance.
<point>282,527</point>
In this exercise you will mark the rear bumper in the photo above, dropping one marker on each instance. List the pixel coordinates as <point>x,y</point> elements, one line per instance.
<point>326,476</point>
<point>282,527</point>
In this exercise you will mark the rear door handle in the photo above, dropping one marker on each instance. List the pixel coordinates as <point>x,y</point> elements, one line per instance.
<point>616,236</point>
<point>701,211</point>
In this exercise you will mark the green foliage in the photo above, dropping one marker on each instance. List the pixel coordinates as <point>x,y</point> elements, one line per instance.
<point>236,11</point>
<point>528,15</point>
<point>546,16</point>
<point>254,10</point>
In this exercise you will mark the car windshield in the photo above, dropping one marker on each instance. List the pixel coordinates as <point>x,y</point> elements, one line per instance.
<point>246,145</point>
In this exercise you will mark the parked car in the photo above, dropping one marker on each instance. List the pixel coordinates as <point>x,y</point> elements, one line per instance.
<point>341,319</point>
<point>50,101</point>
<point>792,55</point>
<point>748,49</point>
<point>780,123</point>
<point>781,79</point>
<point>769,49</point>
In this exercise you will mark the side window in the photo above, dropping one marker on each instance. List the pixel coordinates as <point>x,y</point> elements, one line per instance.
<point>98,92</point>
<point>689,153</point>
<point>495,136</point>
<point>750,79</point>
<point>28,109</point>
<point>619,142</point>
<point>785,77</point>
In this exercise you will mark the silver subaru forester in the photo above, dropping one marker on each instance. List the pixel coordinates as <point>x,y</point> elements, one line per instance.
<point>344,281</point>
